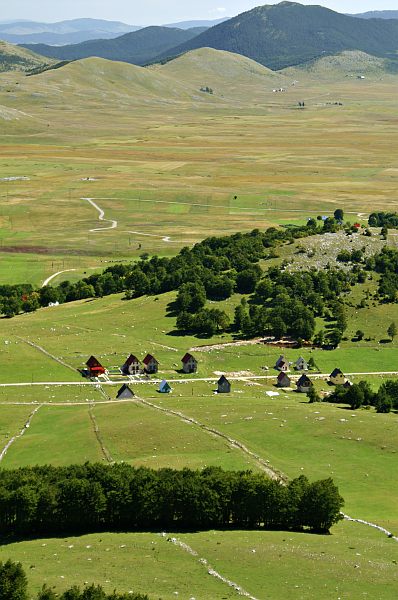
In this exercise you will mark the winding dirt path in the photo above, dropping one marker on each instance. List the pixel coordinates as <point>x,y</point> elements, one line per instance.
<point>47,281</point>
<point>101,217</point>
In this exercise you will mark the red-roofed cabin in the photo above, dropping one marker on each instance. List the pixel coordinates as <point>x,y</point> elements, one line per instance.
<point>357,225</point>
<point>151,364</point>
<point>132,366</point>
<point>94,367</point>
<point>189,363</point>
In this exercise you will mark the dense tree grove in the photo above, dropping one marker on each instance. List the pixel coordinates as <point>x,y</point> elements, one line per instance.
<point>14,586</point>
<point>386,263</point>
<point>93,497</point>
<point>383,219</point>
<point>286,303</point>
<point>219,265</point>
<point>360,394</point>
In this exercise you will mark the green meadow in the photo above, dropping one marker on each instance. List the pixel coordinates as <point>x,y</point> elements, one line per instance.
<point>173,165</point>
<point>353,562</point>
<point>169,166</point>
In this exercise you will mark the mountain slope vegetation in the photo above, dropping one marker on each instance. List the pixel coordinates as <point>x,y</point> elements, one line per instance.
<point>350,63</point>
<point>288,33</point>
<point>138,47</point>
<point>13,58</point>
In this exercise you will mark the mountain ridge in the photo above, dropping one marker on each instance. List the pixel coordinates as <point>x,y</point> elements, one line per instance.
<point>138,47</point>
<point>288,33</point>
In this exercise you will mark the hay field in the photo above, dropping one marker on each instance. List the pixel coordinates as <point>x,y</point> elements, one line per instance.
<point>166,161</point>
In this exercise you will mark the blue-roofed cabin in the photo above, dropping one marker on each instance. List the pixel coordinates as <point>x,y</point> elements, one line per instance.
<point>164,387</point>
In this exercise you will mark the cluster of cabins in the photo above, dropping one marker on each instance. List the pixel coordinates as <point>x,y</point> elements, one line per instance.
<point>150,366</point>
<point>304,383</point>
<point>133,366</point>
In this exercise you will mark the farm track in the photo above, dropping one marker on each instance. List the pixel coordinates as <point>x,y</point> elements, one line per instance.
<point>97,433</point>
<point>101,217</point>
<point>232,443</point>
<point>242,378</point>
<point>52,356</point>
<point>20,434</point>
<point>210,571</point>
<point>47,281</point>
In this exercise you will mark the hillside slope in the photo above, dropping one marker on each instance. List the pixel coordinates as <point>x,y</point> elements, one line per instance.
<point>227,74</point>
<point>138,47</point>
<point>288,33</point>
<point>351,63</point>
<point>13,58</point>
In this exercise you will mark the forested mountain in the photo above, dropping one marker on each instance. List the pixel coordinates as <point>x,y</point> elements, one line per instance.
<point>378,14</point>
<point>138,47</point>
<point>288,34</point>
<point>13,58</point>
<point>62,32</point>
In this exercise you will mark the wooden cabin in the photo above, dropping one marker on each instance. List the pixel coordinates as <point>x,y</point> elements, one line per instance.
<point>301,364</point>
<point>337,377</point>
<point>189,363</point>
<point>223,385</point>
<point>132,366</point>
<point>304,384</point>
<point>94,367</point>
<point>151,365</point>
<point>283,380</point>
<point>282,364</point>
<point>125,393</point>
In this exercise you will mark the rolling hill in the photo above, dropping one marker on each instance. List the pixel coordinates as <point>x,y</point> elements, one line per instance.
<point>62,32</point>
<point>350,63</point>
<point>228,75</point>
<point>13,58</point>
<point>288,33</point>
<point>138,47</point>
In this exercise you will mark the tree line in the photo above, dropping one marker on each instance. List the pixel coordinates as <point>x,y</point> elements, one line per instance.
<point>221,264</point>
<point>361,395</point>
<point>383,219</point>
<point>14,586</point>
<point>93,497</point>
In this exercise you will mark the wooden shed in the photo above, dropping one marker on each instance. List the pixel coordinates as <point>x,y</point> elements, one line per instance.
<point>151,365</point>
<point>189,363</point>
<point>125,393</point>
<point>223,385</point>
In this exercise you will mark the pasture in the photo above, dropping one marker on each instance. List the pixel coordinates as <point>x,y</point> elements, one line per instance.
<point>169,166</point>
<point>211,165</point>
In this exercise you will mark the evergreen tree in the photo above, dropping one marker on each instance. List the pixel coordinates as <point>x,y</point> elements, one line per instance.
<point>13,582</point>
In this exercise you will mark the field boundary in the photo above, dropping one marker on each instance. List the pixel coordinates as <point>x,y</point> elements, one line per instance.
<point>20,434</point>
